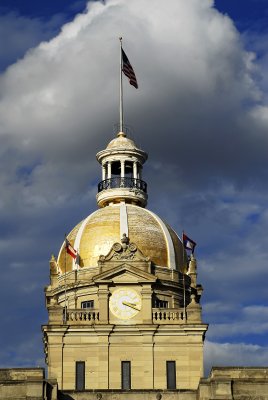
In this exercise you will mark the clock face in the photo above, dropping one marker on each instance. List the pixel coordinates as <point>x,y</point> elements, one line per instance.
<point>125,303</point>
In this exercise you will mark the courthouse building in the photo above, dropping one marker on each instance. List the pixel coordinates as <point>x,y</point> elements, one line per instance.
<point>124,313</point>
<point>133,316</point>
<point>126,316</point>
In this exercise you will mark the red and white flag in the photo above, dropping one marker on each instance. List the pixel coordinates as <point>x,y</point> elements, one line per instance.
<point>70,250</point>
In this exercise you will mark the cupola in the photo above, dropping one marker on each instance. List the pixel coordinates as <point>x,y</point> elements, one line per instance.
<point>122,163</point>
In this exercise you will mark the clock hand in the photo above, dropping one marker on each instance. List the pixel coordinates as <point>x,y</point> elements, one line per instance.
<point>129,304</point>
<point>132,305</point>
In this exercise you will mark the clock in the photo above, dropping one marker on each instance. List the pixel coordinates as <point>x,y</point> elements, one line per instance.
<point>125,303</point>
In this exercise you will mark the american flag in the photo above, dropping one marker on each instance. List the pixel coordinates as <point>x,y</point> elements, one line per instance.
<point>128,70</point>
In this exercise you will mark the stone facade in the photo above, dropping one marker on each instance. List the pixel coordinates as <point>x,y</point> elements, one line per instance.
<point>103,338</point>
<point>26,383</point>
<point>224,383</point>
<point>129,316</point>
<point>235,383</point>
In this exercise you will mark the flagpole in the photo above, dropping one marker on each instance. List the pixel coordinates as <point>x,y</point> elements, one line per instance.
<point>121,121</point>
<point>184,294</point>
<point>65,294</point>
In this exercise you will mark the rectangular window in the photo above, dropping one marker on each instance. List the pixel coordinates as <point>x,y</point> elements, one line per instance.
<point>160,303</point>
<point>171,374</point>
<point>80,375</point>
<point>87,304</point>
<point>126,375</point>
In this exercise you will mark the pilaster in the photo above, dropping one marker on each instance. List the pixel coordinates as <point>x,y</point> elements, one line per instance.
<point>103,296</point>
<point>146,293</point>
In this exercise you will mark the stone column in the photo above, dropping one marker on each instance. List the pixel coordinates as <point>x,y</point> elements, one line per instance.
<point>122,168</point>
<point>135,170</point>
<point>109,170</point>
<point>103,172</point>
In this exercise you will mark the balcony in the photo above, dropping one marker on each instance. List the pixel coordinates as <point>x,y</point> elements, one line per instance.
<point>116,189</point>
<point>122,183</point>
<point>82,316</point>
<point>168,316</point>
<point>86,316</point>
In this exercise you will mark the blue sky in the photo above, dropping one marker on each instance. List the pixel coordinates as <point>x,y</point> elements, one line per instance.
<point>252,15</point>
<point>202,115</point>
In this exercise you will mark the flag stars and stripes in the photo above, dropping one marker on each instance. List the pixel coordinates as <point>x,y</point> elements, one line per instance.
<point>128,70</point>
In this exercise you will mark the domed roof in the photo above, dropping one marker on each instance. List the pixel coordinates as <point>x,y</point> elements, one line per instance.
<point>121,142</point>
<point>96,234</point>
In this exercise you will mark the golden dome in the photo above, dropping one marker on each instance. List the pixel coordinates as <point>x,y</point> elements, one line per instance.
<point>96,234</point>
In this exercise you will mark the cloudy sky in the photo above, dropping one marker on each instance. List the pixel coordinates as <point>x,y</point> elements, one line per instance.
<point>201,111</point>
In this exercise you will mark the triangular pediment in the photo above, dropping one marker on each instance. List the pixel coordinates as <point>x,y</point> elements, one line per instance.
<point>124,273</point>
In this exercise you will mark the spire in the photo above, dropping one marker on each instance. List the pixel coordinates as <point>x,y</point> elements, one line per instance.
<point>121,115</point>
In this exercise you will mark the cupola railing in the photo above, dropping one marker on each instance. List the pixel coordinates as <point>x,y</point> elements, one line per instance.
<point>122,182</point>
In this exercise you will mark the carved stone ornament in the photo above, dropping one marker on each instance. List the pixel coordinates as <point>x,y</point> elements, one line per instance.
<point>53,265</point>
<point>45,344</point>
<point>124,251</point>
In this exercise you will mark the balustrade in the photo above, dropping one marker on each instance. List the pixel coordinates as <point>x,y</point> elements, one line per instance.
<point>167,316</point>
<point>91,317</point>
<point>122,182</point>
<point>85,316</point>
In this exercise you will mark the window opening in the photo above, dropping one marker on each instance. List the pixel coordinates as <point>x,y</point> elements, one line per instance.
<point>80,375</point>
<point>87,304</point>
<point>171,375</point>
<point>126,375</point>
<point>160,303</point>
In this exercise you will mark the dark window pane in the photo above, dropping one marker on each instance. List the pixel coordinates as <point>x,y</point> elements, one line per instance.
<point>171,375</point>
<point>80,375</point>
<point>160,303</point>
<point>87,304</point>
<point>126,375</point>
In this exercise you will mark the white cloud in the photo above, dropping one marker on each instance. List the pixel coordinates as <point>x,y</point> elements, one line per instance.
<point>238,328</point>
<point>234,321</point>
<point>239,354</point>
<point>51,100</point>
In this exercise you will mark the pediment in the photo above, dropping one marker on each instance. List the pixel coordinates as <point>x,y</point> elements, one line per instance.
<point>124,273</point>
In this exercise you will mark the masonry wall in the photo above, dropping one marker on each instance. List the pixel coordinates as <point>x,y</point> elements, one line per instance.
<point>22,383</point>
<point>148,348</point>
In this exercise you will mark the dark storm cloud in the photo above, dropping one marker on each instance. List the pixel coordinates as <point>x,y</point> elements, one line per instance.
<point>19,33</point>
